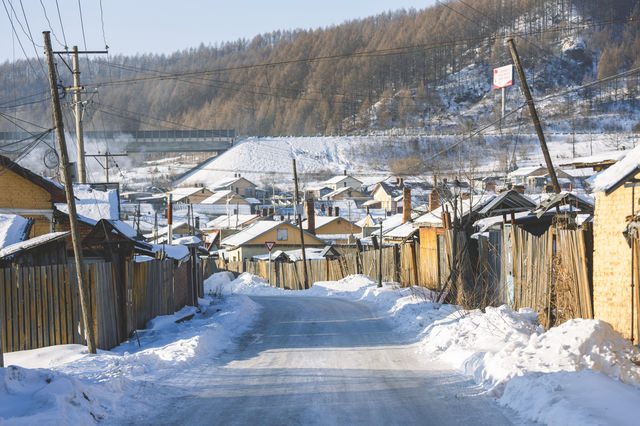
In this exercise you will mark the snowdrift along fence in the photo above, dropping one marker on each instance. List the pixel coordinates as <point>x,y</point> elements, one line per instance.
<point>40,305</point>
<point>399,264</point>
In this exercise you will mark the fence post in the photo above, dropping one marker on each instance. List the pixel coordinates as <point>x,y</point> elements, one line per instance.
<point>396,263</point>
<point>414,263</point>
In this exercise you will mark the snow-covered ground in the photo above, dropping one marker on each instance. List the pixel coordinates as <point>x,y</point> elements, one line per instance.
<point>581,372</point>
<point>64,385</point>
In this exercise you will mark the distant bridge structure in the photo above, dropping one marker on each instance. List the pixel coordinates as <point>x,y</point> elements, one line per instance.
<point>151,141</point>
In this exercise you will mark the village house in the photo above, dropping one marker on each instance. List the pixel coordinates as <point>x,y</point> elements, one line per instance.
<point>238,184</point>
<point>342,181</point>
<point>224,197</point>
<point>387,195</point>
<point>29,195</point>
<point>615,258</point>
<point>251,241</point>
<point>346,193</point>
<point>192,195</point>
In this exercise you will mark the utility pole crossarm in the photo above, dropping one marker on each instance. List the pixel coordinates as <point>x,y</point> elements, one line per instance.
<point>534,115</point>
<point>78,109</point>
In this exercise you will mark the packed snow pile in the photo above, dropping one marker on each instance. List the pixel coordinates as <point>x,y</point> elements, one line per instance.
<point>501,344</point>
<point>46,397</point>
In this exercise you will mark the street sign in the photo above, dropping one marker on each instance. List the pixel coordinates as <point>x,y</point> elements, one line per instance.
<point>270,245</point>
<point>503,77</point>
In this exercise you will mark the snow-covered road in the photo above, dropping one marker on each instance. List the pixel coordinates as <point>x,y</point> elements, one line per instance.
<point>325,360</point>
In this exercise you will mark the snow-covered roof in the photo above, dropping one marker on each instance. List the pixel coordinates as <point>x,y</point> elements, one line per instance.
<point>484,224</point>
<point>228,182</point>
<point>13,229</point>
<point>596,158</point>
<point>92,204</point>
<point>177,252</point>
<point>524,171</point>
<point>617,174</point>
<point>338,192</point>
<point>179,194</point>
<point>251,232</point>
<point>338,179</point>
<point>511,199</point>
<point>187,240</point>
<point>402,231</point>
<point>220,195</point>
<point>252,200</point>
<point>321,221</point>
<point>231,221</point>
<point>30,243</point>
<point>434,218</point>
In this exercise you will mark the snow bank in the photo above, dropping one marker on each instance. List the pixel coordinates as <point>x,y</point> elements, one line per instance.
<point>46,397</point>
<point>73,387</point>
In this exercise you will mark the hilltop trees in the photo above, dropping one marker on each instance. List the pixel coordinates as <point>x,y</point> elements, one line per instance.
<point>267,85</point>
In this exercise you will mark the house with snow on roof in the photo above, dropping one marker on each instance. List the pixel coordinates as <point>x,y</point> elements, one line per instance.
<point>616,258</point>
<point>191,195</point>
<point>238,184</point>
<point>251,241</point>
<point>343,181</point>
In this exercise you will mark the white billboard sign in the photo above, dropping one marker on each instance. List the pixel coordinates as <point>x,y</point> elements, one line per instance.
<point>503,77</point>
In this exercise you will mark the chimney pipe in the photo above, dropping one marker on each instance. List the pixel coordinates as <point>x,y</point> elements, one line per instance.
<point>345,172</point>
<point>311,216</point>
<point>406,204</point>
<point>434,199</point>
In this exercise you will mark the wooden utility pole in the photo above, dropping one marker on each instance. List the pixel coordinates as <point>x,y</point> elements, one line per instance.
<point>106,156</point>
<point>79,110</point>
<point>77,103</point>
<point>71,203</point>
<point>534,115</point>
<point>295,206</point>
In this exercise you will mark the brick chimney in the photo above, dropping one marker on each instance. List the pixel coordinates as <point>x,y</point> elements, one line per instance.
<point>434,196</point>
<point>406,204</point>
<point>311,216</point>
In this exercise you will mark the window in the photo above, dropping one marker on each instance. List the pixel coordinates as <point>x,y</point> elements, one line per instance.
<point>283,234</point>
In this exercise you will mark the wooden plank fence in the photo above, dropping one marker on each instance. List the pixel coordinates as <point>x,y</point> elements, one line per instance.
<point>40,305</point>
<point>399,264</point>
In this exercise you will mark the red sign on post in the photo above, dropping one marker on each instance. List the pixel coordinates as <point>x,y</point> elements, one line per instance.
<point>503,77</point>
<point>270,245</point>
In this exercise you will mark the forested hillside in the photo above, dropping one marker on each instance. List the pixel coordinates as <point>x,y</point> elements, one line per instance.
<point>423,69</point>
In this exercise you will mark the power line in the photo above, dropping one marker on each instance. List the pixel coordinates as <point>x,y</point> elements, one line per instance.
<point>46,16</point>
<point>104,38</point>
<point>18,38</point>
<point>64,36</point>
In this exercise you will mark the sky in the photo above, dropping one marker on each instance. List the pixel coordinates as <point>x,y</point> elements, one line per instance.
<point>165,26</point>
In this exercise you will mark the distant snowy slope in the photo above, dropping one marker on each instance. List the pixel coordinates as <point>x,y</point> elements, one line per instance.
<point>257,157</point>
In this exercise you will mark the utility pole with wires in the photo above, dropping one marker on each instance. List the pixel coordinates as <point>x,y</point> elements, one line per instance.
<point>87,319</point>
<point>534,116</point>
<point>78,108</point>
<point>106,156</point>
<point>299,216</point>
